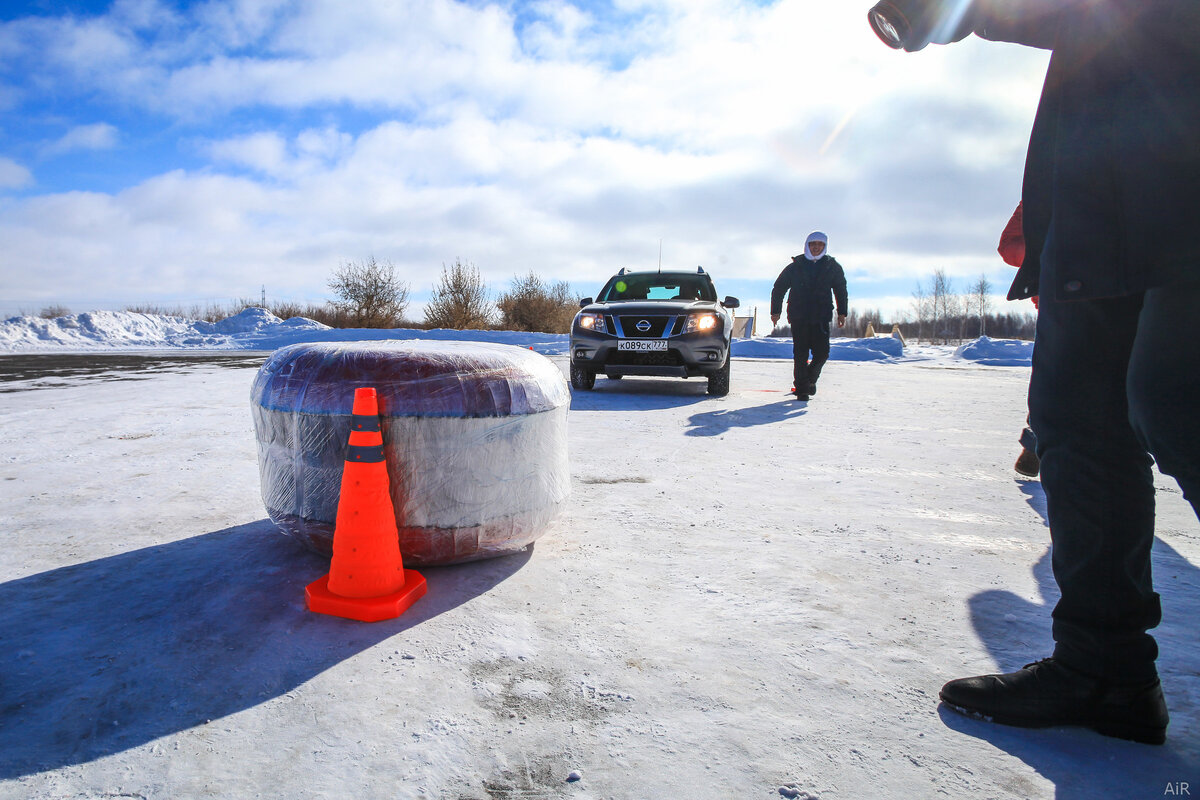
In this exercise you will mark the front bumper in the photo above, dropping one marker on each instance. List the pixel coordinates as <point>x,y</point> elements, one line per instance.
<point>686,356</point>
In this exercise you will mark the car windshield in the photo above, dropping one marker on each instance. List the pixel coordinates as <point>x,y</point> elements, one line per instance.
<point>658,286</point>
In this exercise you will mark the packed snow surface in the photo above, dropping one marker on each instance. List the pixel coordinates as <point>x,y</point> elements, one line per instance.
<point>749,596</point>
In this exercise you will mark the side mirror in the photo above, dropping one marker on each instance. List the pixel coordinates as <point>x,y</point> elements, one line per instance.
<point>587,301</point>
<point>731,302</point>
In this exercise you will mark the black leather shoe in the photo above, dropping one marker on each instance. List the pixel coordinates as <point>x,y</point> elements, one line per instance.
<point>1048,693</point>
<point>812,388</point>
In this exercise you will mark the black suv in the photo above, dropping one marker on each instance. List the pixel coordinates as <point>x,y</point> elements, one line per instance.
<point>654,323</point>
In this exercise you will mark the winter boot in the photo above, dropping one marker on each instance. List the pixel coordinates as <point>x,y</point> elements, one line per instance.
<point>1048,693</point>
<point>814,373</point>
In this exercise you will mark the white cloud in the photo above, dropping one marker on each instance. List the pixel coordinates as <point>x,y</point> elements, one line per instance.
<point>13,175</point>
<point>555,32</point>
<point>91,47</point>
<point>98,136</point>
<point>571,145</point>
<point>241,23</point>
<point>263,152</point>
<point>270,154</point>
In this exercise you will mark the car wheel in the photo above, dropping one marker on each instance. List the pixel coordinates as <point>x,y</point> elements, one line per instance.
<point>582,377</point>
<point>718,382</point>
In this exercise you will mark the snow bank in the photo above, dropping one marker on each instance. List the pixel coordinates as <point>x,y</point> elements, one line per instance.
<point>877,349</point>
<point>997,352</point>
<point>97,329</point>
<point>257,321</point>
<point>259,329</point>
<point>252,329</point>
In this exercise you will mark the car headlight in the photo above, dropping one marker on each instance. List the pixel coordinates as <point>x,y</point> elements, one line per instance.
<point>590,321</point>
<point>701,323</point>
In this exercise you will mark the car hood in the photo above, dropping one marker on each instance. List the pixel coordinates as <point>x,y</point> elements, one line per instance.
<point>628,308</point>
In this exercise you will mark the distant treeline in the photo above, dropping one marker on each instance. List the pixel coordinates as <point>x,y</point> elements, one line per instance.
<point>940,314</point>
<point>367,294</point>
<point>952,330</point>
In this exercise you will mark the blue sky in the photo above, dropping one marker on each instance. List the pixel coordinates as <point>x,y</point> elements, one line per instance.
<point>184,153</point>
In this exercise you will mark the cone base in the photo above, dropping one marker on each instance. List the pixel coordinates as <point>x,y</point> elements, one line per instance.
<point>365,609</point>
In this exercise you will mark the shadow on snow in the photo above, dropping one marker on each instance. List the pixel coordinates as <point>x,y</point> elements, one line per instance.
<point>1035,496</point>
<point>105,656</point>
<point>720,420</point>
<point>1081,764</point>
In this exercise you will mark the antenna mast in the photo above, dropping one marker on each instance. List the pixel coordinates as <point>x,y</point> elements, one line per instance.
<point>660,255</point>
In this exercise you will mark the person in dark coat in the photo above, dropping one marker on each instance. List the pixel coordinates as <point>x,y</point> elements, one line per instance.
<point>1111,199</point>
<point>809,282</point>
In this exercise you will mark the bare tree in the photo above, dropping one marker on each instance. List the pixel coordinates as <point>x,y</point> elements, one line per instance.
<point>531,305</point>
<point>460,300</point>
<point>982,301</point>
<point>369,295</point>
<point>1012,325</point>
<point>944,304</point>
<point>922,310</point>
<point>854,323</point>
<point>960,307</point>
<point>857,322</point>
<point>54,311</point>
<point>874,318</point>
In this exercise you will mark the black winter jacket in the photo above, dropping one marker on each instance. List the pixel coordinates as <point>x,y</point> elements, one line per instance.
<point>1112,176</point>
<point>808,285</point>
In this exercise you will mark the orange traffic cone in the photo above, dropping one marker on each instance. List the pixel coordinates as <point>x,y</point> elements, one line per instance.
<point>367,580</point>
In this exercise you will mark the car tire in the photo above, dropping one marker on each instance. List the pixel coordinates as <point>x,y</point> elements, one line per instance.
<point>718,382</point>
<point>582,378</point>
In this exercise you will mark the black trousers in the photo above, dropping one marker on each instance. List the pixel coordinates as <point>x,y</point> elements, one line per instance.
<point>1113,381</point>
<point>808,337</point>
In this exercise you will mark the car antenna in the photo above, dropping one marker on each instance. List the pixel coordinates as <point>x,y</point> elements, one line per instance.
<point>660,256</point>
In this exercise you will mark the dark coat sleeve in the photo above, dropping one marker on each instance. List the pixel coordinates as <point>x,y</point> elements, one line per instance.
<point>1033,23</point>
<point>838,281</point>
<point>782,283</point>
<point>1112,175</point>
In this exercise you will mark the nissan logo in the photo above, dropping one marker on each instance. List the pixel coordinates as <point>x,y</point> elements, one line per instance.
<point>643,325</point>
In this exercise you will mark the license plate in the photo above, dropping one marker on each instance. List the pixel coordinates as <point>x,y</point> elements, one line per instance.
<point>642,344</point>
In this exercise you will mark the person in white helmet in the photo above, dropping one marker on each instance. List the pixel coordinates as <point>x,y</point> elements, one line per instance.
<point>812,282</point>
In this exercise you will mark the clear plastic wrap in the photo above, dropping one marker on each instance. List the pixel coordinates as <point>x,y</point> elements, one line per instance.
<point>475,436</point>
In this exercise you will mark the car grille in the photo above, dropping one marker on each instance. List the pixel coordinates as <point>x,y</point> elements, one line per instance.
<point>628,326</point>
<point>656,358</point>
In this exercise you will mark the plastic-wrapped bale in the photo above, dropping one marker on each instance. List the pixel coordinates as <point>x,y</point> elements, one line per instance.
<point>475,437</point>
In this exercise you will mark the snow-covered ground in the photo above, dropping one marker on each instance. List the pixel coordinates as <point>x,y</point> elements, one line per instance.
<point>749,597</point>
